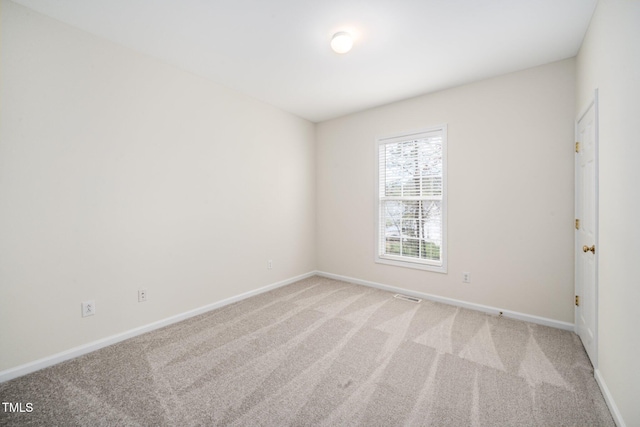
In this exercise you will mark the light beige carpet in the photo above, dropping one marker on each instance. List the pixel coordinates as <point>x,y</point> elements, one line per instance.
<point>326,353</point>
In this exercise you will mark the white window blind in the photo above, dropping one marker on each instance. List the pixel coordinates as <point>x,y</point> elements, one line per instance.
<point>411,199</point>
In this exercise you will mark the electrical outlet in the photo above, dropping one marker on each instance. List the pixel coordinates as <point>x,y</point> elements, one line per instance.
<point>142,295</point>
<point>466,277</point>
<point>88,308</point>
<point>270,264</point>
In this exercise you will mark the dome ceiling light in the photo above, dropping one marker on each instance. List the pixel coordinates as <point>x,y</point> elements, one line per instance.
<point>341,42</point>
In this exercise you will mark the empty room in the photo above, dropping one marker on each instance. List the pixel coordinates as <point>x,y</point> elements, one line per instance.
<point>319,213</point>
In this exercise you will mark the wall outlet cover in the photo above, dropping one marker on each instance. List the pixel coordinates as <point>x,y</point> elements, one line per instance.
<point>88,308</point>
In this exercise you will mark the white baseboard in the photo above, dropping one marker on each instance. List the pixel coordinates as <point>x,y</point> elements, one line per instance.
<point>459,303</point>
<point>72,353</point>
<point>613,408</point>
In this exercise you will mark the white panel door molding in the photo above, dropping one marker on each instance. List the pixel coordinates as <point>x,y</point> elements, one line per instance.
<point>586,241</point>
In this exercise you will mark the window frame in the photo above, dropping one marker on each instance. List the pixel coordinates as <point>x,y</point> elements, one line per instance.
<point>401,261</point>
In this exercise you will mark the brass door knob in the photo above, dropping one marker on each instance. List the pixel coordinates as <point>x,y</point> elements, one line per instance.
<point>586,248</point>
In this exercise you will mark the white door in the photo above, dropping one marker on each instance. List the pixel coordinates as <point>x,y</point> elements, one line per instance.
<point>587,230</point>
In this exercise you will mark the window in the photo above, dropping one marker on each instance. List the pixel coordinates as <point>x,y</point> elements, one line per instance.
<point>412,205</point>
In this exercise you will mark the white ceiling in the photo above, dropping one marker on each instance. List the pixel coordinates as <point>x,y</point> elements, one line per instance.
<point>278,50</point>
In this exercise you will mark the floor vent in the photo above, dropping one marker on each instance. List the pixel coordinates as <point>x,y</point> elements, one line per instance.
<point>407,298</point>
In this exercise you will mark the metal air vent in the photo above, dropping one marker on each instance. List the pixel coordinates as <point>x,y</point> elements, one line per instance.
<point>408,298</point>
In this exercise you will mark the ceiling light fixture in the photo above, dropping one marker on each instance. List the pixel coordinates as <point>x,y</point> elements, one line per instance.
<point>341,42</point>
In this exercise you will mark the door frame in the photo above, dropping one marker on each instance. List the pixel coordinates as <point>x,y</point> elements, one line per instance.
<point>577,248</point>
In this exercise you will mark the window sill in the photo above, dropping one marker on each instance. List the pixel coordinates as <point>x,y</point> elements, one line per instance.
<point>414,265</point>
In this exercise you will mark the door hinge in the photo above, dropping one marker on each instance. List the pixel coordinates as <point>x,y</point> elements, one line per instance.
<point>577,300</point>
<point>577,147</point>
<point>577,224</point>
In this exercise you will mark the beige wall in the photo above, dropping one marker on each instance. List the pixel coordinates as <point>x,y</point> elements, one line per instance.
<point>119,172</point>
<point>510,182</point>
<point>610,61</point>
